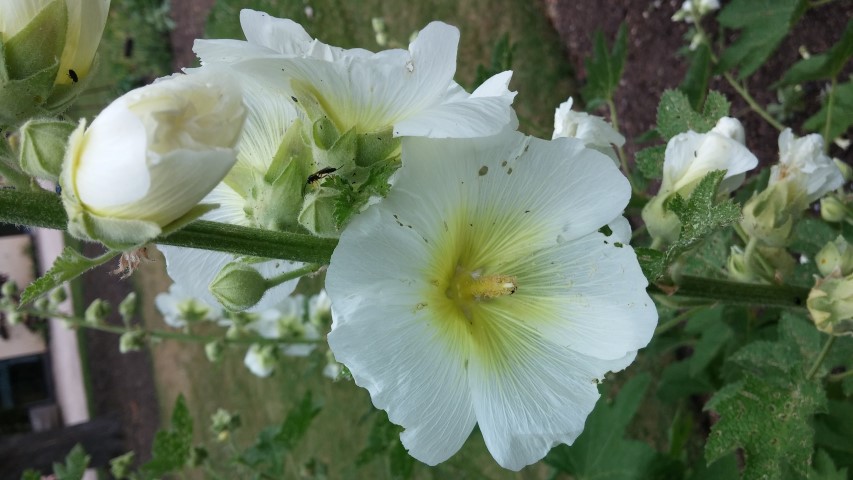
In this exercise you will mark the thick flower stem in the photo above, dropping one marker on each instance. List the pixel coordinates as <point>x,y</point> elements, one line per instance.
<point>738,293</point>
<point>43,209</point>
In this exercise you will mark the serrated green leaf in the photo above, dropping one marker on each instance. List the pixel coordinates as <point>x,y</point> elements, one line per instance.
<point>676,115</point>
<point>601,452</point>
<point>695,83</point>
<point>839,114</point>
<point>650,161</point>
<point>383,434</point>
<point>297,422</point>
<point>824,468</point>
<point>710,260</point>
<point>825,65</point>
<point>400,463</point>
<point>69,265</point>
<point>767,412</point>
<point>75,465</point>
<point>501,61</point>
<point>604,67</point>
<point>653,262</point>
<point>171,448</point>
<point>763,24</point>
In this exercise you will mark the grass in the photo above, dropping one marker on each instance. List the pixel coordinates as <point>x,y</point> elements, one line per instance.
<point>341,430</point>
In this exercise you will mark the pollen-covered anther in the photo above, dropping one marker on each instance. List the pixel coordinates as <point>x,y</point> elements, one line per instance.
<point>489,286</point>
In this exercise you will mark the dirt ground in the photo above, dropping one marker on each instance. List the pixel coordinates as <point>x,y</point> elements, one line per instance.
<point>652,66</point>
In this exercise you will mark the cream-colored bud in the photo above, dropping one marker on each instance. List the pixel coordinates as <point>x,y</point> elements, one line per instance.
<point>830,304</point>
<point>836,255</point>
<point>150,157</point>
<point>833,209</point>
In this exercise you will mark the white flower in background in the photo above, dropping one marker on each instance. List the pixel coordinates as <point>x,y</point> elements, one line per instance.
<point>268,118</point>
<point>333,369</point>
<point>688,158</point>
<point>84,25</point>
<point>480,291</point>
<point>595,132</point>
<point>693,10</point>
<point>261,360</point>
<point>412,90</point>
<point>150,157</point>
<point>288,320</point>
<point>802,161</point>
<point>178,308</point>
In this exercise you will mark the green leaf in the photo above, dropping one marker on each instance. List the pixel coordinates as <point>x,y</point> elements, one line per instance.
<point>501,61</point>
<point>650,161</point>
<point>381,439</point>
<point>75,465</point>
<point>714,335</point>
<point>767,412</point>
<point>701,216</point>
<point>68,266</point>
<point>839,114</point>
<point>268,452</point>
<point>602,452</point>
<point>710,260</point>
<point>695,83</point>
<point>834,432</point>
<point>350,198</point>
<point>676,115</point>
<point>604,68</point>
<point>824,468</point>
<point>825,65</point>
<point>172,447</point>
<point>763,25</point>
<point>31,475</point>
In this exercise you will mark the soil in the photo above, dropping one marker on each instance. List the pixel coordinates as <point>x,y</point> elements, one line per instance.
<point>124,383</point>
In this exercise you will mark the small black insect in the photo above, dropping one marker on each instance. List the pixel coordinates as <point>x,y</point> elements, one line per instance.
<point>73,76</point>
<point>322,173</point>
<point>57,189</point>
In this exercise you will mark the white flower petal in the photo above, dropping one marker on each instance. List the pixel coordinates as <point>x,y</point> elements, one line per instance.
<point>278,34</point>
<point>690,156</point>
<point>621,230</point>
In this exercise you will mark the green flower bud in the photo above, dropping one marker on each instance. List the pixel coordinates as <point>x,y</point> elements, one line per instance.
<point>9,289</point>
<point>127,307</point>
<point>833,209</point>
<point>121,466</point>
<point>58,295</point>
<point>14,317</point>
<point>43,147</point>
<point>846,170</point>
<point>238,286</point>
<point>131,341</point>
<point>770,215</point>
<point>97,311</point>
<point>224,421</point>
<point>213,351</point>
<point>661,223</point>
<point>835,255</point>
<point>830,304</point>
<point>739,269</point>
<point>42,304</point>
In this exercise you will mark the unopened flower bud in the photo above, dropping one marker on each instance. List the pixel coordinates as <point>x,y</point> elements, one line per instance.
<point>131,341</point>
<point>224,421</point>
<point>42,147</point>
<point>13,316</point>
<point>738,267</point>
<point>833,209</point>
<point>147,160</point>
<point>771,214</point>
<point>830,304</point>
<point>238,286</point>
<point>213,351</point>
<point>127,307</point>
<point>198,455</point>
<point>9,289</point>
<point>58,295</point>
<point>97,311</point>
<point>835,255</point>
<point>42,304</point>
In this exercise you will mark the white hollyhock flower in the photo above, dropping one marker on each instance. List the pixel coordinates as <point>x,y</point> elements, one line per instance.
<point>287,320</point>
<point>480,291</point>
<point>261,359</point>
<point>150,157</point>
<point>688,158</point>
<point>412,90</point>
<point>693,10</point>
<point>593,130</point>
<point>178,308</point>
<point>802,161</point>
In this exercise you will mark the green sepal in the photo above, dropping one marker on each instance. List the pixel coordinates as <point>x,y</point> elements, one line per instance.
<point>39,44</point>
<point>42,147</point>
<point>318,212</point>
<point>376,146</point>
<point>115,233</point>
<point>22,99</point>
<point>324,133</point>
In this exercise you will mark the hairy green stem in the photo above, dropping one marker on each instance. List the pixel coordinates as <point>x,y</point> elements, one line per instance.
<point>168,335</point>
<point>821,357</point>
<point>837,377</point>
<point>44,209</point>
<point>672,323</point>
<point>299,272</point>
<point>738,293</point>
<point>753,104</point>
